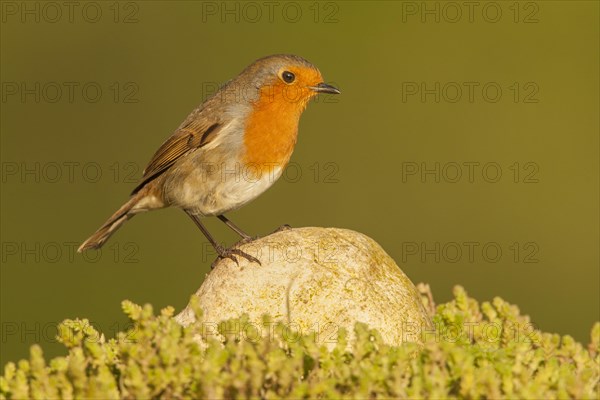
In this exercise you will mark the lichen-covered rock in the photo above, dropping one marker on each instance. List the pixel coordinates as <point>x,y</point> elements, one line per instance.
<point>315,280</point>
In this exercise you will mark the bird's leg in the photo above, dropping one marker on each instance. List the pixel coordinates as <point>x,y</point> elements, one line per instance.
<point>245,237</point>
<point>221,251</point>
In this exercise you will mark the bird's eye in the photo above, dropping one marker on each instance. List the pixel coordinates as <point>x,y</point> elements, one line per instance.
<point>288,77</point>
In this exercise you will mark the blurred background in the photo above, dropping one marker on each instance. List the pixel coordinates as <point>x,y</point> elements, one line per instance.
<point>465,142</point>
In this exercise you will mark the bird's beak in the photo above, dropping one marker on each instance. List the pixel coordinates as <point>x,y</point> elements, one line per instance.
<point>324,88</point>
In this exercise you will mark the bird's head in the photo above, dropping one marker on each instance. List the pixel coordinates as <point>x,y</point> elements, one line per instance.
<point>283,81</point>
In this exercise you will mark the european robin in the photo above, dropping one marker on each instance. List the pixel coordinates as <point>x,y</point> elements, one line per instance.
<point>229,150</point>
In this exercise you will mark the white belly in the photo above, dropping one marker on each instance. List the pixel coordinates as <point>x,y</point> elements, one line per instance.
<point>213,189</point>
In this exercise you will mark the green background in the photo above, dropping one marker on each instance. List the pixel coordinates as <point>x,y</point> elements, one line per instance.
<point>352,151</point>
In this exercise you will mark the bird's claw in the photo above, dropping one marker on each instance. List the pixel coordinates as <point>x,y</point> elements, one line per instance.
<point>284,227</point>
<point>231,253</point>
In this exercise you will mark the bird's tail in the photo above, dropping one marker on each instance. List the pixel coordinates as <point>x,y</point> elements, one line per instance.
<point>127,211</point>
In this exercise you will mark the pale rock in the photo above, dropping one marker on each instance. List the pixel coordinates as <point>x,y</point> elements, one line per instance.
<point>315,279</point>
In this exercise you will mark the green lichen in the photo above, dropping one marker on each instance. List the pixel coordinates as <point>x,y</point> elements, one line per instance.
<point>486,351</point>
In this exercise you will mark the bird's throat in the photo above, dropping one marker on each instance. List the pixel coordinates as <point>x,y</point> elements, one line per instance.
<point>272,130</point>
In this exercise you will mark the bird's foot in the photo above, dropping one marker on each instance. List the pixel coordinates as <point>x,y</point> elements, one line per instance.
<point>250,239</point>
<point>284,227</point>
<point>245,240</point>
<point>231,253</point>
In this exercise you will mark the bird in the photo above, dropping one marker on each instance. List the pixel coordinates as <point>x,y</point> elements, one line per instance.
<point>228,151</point>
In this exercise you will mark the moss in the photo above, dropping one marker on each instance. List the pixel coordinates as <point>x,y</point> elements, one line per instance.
<point>476,351</point>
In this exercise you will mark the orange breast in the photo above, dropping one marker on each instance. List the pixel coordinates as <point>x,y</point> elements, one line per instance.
<point>272,128</point>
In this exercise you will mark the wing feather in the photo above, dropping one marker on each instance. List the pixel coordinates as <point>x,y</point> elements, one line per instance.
<point>185,140</point>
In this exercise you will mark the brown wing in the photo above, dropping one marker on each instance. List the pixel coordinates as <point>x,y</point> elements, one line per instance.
<point>186,139</point>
